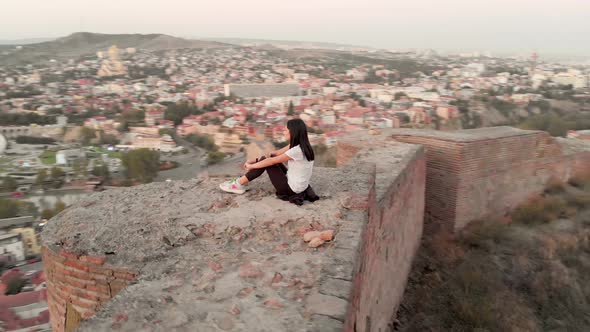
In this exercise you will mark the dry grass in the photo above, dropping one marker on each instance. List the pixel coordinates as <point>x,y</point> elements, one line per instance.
<point>530,275</point>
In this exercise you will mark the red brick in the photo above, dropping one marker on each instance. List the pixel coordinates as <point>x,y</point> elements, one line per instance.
<point>77,265</point>
<point>214,265</point>
<point>68,254</point>
<point>117,286</point>
<point>101,271</point>
<point>80,302</point>
<point>78,283</point>
<point>98,260</point>
<point>249,271</point>
<point>124,275</point>
<point>102,289</point>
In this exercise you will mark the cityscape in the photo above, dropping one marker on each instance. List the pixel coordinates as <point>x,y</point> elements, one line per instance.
<point>127,111</point>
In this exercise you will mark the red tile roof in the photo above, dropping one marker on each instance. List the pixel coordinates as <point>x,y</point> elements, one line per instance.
<point>22,299</point>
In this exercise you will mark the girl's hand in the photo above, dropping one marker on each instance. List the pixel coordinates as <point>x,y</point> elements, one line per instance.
<point>248,166</point>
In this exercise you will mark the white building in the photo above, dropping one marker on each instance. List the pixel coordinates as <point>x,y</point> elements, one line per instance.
<point>12,244</point>
<point>65,157</point>
<point>574,78</point>
<point>329,118</point>
<point>3,144</point>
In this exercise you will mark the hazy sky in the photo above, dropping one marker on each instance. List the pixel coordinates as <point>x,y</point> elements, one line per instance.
<point>553,26</point>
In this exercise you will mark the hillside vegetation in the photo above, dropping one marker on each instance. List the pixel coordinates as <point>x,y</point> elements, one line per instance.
<point>529,274</point>
<point>86,43</point>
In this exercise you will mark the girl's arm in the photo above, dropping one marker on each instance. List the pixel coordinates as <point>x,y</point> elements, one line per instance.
<point>269,161</point>
<point>280,151</point>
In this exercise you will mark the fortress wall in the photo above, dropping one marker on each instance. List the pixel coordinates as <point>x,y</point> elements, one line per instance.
<point>393,231</point>
<point>79,285</point>
<point>474,174</point>
<point>389,244</point>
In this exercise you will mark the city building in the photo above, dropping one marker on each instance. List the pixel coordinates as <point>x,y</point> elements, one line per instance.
<point>13,245</point>
<point>112,66</point>
<point>262,90</point>
<point>30,239</point>
<point>67,157</point>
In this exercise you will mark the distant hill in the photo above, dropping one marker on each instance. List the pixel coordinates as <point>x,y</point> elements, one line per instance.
<point>24,41</point>
<point>86,43</point>
<point>286,44</point>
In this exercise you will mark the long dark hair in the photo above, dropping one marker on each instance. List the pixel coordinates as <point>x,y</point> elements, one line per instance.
<point>298,132</point>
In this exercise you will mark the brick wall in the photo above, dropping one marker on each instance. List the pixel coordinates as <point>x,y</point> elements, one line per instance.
<point>469,179</point>
<point>390,240</point>
<point>79,283</point>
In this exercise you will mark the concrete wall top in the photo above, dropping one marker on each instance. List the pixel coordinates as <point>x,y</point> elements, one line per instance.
<point>467,135</point>
<point>208,260</point>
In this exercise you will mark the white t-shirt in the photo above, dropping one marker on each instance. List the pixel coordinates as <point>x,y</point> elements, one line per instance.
<point>299,172</point>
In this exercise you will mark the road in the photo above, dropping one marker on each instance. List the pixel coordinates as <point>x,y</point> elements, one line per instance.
<point>190,164</point>
<point>31,267</point>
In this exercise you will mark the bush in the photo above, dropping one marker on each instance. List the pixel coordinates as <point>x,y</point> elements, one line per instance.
<point>8,208</point>
<point>203,141</point>
<point>126,183</point>
<point>142,164</point>
<point>580,180</point>
<point>540,210</point>
<point>554,186</point>
<point>15,285</point>
<point>9,184</point>
<point>34,140</point>
<point>523,276</point>
<point>215,157</point>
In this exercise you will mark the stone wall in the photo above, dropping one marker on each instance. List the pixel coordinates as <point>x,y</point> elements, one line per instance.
<point>190,257</point>
<point>480,173</point>
<point>81,284</point>
<point>392,234</point>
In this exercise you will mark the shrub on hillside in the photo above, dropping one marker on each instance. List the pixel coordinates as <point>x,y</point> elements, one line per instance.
<point>529,275</point>
<point>580,180</point>
<point>540,210</point>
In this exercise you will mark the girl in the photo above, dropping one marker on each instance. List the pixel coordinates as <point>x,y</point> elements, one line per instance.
<point>291,184</point>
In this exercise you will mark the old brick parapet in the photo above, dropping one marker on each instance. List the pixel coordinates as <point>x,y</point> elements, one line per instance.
<point>78,285</point>
<point>481,173</point>
<point>186,256</point>
<point>393,232</point>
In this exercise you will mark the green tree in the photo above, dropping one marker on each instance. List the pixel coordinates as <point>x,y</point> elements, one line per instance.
<point>101,171</point>
<point>41,176</point>
<point>57,173</point>
<point>167,131</point>
<point>47,214</point>
<point>8,208</point>
<point>59,206</point>
<point>87,135</point>
<point>15,285</point>
<point>552,124</point>
<point>76,167</point>
<point>177,112</point>
<point>142,164</point>
<point>403,117</point>
<point>203,141</point>
<point>9,184</point>
<point>291,109</point>
<point>399,95</point>
<point>108,139</point>
<point>215,157</point>
<point>372,77</point>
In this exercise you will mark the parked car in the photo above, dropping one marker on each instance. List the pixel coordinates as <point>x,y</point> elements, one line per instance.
<point>34,260</point>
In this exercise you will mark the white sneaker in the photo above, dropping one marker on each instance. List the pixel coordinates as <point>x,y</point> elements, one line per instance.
<point>232,186</point>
